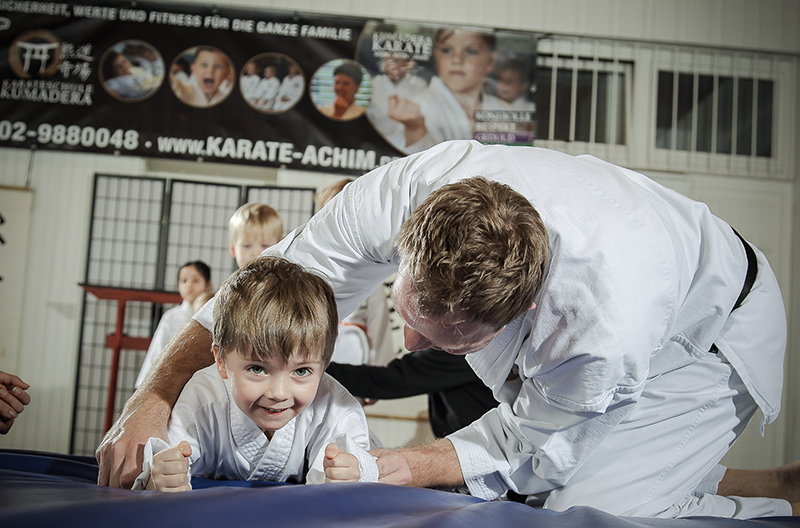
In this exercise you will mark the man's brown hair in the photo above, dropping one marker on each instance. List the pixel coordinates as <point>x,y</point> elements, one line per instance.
<point>474,246</point>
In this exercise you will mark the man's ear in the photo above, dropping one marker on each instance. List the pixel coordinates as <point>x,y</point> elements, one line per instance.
<point>220,362</point>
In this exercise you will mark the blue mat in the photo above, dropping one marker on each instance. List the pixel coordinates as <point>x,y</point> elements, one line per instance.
<point>46,489</point>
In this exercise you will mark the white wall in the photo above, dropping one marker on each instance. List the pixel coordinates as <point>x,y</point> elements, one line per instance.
<point>764,25</point>
<point>62,182</point>
<point>47,357</point>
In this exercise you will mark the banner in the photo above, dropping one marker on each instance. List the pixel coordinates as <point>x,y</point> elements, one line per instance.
<point>234,85</point>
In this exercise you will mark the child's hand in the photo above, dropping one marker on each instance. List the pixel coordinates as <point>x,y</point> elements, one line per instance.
<point>169,469</point>
<point>340,466</point>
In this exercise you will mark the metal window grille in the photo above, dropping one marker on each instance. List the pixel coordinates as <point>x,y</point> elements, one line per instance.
<point>583,92</point>
<point>720,114</point>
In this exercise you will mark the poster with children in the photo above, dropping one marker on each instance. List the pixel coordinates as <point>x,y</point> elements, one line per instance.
<point>250,86</point>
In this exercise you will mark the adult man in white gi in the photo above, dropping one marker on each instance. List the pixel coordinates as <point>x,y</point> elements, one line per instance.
<point>609,315</point>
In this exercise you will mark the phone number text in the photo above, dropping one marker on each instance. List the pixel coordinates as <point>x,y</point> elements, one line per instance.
<point>72,135</point>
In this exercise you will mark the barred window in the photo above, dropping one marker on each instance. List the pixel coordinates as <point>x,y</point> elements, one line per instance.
<point>582,99</point>
<point>714,113</point>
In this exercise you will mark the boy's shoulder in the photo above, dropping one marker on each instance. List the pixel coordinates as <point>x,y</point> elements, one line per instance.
<point>205,386</point>
<point>331,395</point>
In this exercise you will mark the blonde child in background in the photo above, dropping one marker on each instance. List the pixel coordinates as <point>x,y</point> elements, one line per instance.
<point>365,336</point>
<point>265,410</point>
<point>253,228</point>
<point>194,279</point>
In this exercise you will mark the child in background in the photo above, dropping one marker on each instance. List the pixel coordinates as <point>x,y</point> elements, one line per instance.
<point>266,410</point>
<point>365,336</point>
<point>194,278</point>
<point>248,82</point>
<point>513,84</point>
<point>253,228</point>
<point>267,89</point>
<point>291,89</point>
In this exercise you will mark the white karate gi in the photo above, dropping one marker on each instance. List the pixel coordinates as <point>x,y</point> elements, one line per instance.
<point>523,103</point>
<point>351,112</point>
<point>189,92</point>
<point>137,83</point>
<point>266,91</point>
<point>227,445</point>
<point>170,324</point>
<point>373,315</point>
<point>249,85</point>
<point>365,336</point>
<point>378,111</point>
<point>614,398</point>
<point>445,118</point>
<point>292,89</point>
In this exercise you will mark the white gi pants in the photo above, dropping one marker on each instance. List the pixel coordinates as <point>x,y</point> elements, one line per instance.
<point>662,460</point>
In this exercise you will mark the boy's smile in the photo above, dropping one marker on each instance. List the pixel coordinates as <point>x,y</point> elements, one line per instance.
<point>270,392</point>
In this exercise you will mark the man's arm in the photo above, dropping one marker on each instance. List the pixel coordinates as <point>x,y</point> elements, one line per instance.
<point>147,412</point>
<point>433,465</point>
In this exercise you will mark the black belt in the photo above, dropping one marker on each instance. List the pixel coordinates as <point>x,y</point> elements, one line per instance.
<point>752,270</point>
<point>749,278</point>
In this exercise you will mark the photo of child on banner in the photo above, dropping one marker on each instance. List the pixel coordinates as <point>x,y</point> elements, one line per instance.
<point>436,84</point>
<point>341,89</point>
<point>271,83</point>
<point>132,70</point>
<point>209,80</point>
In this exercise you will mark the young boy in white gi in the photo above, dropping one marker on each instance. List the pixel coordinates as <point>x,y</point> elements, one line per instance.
<point>266,409</point>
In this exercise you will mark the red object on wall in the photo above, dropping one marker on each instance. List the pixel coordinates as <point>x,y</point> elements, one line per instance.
<point>119,341</point>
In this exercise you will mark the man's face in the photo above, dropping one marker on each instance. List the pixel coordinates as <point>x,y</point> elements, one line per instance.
<point>345,87</point>
<point>210,69</point>
<point>453,333</point>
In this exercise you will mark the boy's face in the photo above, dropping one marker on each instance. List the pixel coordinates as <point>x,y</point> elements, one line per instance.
<point>191,283</point>
<point>251,243</point>
<point>270,392</point>
<point>210,69</point>
<point>463,60</point>
<point>510,86</point>
<point>121,65</point>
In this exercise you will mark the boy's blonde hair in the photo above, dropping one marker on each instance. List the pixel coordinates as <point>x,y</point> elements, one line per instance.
<point>326,195</point>
<point>474,246</point>
<point>272,307</point>
<point>253,216</point>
